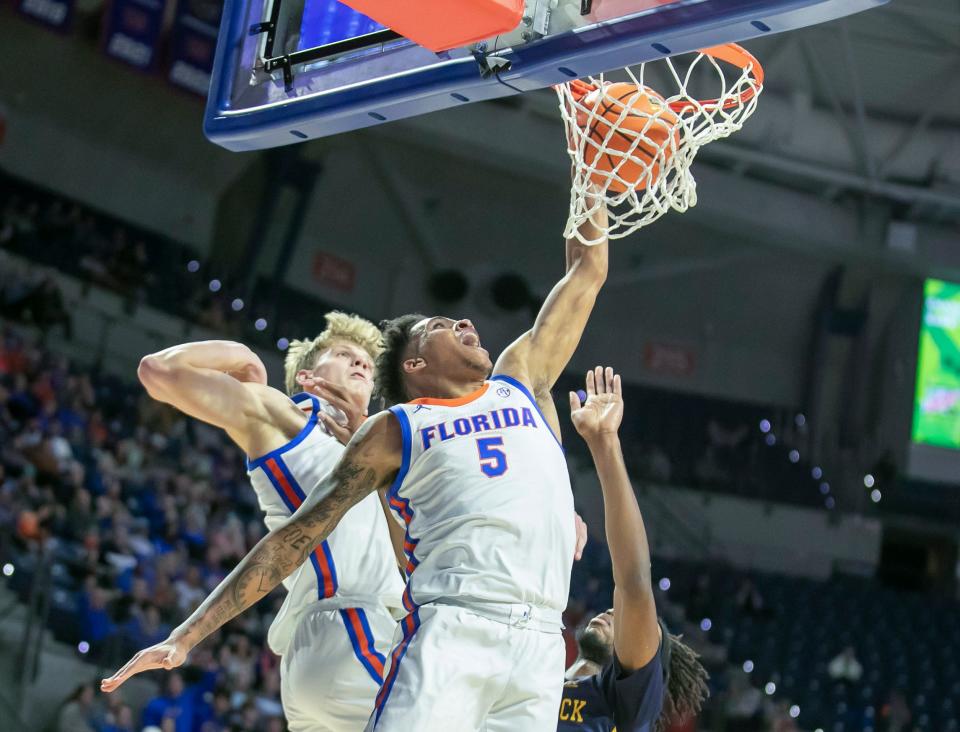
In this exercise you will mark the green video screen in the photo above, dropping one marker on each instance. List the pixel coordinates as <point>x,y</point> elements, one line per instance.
<point>936,408</point>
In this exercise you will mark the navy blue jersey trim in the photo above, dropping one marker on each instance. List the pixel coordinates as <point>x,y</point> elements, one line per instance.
<point>307,429</point>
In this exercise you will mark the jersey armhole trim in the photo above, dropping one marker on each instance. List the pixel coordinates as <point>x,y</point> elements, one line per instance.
<point>526,392</point>
<point>307,429</point>
<point>407,436</point>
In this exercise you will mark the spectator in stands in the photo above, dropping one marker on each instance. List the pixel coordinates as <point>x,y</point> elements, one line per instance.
<point>654,464</point>
<point>238,662</point>
<point>75,463</point>
<point>130,267</point>
<point>781,721</point>
<point>149,627</point>
<point>895,715</point>
<point>743,704</point>
<point>190,590</point>
<point>29,294</point>
<point>701,599</point>
<point>129,456</point>
<point>119,717</point>
<point>713,655</point>
<point>48,309</point>
<point>96,623</point>
<point>726,438</point>
<point>19,218</point>
<point>174,707</point>
<point>77,714</point>
<point>749,600</point>
<point>709,470</point>
<point>845,666</point>
<point>221,713</point>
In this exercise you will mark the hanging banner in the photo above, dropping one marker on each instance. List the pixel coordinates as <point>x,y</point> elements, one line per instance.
<point>669,359</point>
<point>132,30</point>
<point>193,42</point>
<point>56,14</point>
<point>333,271</point>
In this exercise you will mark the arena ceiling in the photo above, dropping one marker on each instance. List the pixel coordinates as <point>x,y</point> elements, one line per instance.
<point>853,156</point>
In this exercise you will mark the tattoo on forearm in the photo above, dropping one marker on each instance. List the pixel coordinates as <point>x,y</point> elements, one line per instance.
<point>284,549</point>
<point>254,582</point>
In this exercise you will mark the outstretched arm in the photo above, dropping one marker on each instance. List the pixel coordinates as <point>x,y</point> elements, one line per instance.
<point>636,631</point>
<point>370,462</point>
<point>539,356</point>
<point>220,382</point>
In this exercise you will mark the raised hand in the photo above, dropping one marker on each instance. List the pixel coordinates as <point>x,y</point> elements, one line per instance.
<point>166,655</point>
<point>337,396</point>
<point>603,410</point>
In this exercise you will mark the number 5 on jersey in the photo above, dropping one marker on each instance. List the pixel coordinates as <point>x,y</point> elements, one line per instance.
<point>493,459</point>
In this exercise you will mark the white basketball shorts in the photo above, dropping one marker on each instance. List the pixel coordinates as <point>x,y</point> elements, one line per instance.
<point>455,670</point>
<point>333,668</point>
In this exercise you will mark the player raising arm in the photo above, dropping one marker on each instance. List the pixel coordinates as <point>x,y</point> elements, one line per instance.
<point>631,672</point>
<point>475,472</point>
<point>335,625</point>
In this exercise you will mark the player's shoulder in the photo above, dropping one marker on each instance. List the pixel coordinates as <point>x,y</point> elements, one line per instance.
<point>270,401</point>
<point>588,692</point>
<point>377,445</point>
<point>584,684</point>
<point>298,410</point>
<point>635,695</point>
<point>382,429</point>
<point>270,420</point>
<point>513,361</point>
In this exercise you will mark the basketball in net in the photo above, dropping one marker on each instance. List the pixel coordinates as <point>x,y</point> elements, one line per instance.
<point>633,138</point>
<point>631,135</point>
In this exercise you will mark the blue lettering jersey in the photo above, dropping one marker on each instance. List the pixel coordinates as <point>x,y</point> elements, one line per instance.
<point>614,699</point>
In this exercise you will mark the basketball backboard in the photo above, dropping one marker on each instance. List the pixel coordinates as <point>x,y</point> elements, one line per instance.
<point>292,70</point>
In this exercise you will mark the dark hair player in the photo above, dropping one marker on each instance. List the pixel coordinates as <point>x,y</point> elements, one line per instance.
<point>631,673</point>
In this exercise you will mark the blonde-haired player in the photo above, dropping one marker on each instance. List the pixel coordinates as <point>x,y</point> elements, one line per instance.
<point>335,627</point>
<point>476,471</point>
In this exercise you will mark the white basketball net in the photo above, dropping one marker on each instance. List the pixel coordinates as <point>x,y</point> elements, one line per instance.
<point>638,160</point>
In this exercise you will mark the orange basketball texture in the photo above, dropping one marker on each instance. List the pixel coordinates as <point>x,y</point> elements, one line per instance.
<point>633,147</point>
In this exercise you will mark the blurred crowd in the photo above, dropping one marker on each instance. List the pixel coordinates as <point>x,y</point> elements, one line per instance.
<point>137,513</point>
<point>142,512</point>
<point>145,512</point>
<point>699,442</point>
<point>143,268</point>
<point>28,294</point>
<point>715,445</point>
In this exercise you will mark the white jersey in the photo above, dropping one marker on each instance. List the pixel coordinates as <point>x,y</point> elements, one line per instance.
<point>485,495</point>
<point>356,564</point>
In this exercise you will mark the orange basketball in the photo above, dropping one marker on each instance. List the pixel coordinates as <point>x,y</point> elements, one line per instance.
<point>638,145</point>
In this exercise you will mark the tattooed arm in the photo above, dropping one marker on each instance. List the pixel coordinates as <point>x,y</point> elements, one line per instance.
<point>370,462</point>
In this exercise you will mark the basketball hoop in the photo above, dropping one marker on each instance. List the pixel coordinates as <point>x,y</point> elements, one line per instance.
<point>633,147</point>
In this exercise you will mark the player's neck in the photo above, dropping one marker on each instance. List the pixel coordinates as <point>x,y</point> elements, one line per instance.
<point>444,388</point>
<point>351,397</point>
<point>582,667</point>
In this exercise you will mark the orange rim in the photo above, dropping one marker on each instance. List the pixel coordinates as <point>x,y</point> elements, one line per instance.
<point>731,53</point>
<point>736,55</point>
